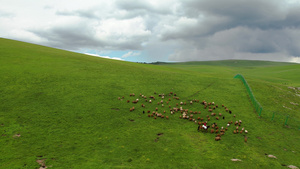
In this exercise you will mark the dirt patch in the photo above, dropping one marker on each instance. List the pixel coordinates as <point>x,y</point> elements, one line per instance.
<point>130,119</point>
<point>160,134</point>
<point>42,163</point>
<point>258,138</point>
<point>17,135</point>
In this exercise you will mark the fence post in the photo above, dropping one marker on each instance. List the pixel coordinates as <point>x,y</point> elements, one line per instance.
<point>287,117</point>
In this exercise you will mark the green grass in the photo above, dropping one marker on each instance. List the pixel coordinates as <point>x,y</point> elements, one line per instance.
<point>65,107</point>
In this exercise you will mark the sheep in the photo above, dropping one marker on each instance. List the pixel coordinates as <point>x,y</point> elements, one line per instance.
<point>198,118</point>
<point>233,115</point>
<point>191,115</point>
<point>150,101</point>
<point>191,102</point>
<point>119,98</point>
<point>162,105</point>
<point>210,110</point>
<point>234,131</point>
<point>148,115</point>
<point>172,112</point>
<point>213,103</point>
<point>164,111</point>
<point>201,119</point>
<point>220,114</point>
<point>218,138</point>
<point>180,117</point>
<point>184,103</point>
<point>213,126</point>
<point>162,116</point>
<point>245,138</point>
<point>128,101</point>
<point>154,117</point>
<point>222,105</point>
<point>237,127</point>
<point>217,131</point>
<point>229,111</point>
<point>226,128</point>
<point>176,104</point>
<point>246,131</point>
<point>208,119</point>
<point>217,118</point>
<point>199,112</point>
<point>169,99</point>
<point>228,125</point>
<point>236,122</point>
<point>217,106</point>
<point>214,107</point>
<point>212,131</point>
<point>213,114</point>
<point>156,108</point>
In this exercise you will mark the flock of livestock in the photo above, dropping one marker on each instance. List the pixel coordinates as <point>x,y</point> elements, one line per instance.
<point>207,120</point>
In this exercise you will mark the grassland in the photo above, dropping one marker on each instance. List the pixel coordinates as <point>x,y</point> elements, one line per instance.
<point>63,108</point>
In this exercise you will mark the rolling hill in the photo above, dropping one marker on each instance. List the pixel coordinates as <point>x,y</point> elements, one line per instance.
<point>67,110</point>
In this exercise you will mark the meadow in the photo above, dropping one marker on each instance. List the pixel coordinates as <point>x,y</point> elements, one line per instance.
<point>63,108</point>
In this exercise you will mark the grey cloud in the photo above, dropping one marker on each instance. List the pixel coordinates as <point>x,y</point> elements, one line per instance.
<point>74,37</point>
<point>81,13</point>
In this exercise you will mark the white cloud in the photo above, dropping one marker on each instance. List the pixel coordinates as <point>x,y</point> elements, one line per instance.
<point>106,57</point>
<point>128,54</point>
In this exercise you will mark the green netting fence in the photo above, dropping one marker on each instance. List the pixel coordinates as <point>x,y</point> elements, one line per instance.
<point>257,106</point>
<point>276,117</point>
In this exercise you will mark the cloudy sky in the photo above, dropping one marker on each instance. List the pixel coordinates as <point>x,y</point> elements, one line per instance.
<point>159,30</point>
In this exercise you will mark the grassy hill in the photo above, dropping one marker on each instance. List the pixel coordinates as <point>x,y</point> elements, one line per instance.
<point>62,108</point>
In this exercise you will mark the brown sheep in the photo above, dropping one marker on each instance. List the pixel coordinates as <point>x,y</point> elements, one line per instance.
<point>162,116</point>
<point>210,110</point>
<point>234,131</point>
<point>198,118</point>
<point>213,114</point>
<point>128,101</point>
<point>212,131</point>
<point>207,116</point>
<point>220,114</point>
<point>148,115</point>
<point>154,117</point>
<point>217,118</point>
<point>167,117</point>
<point>156,108</point>
<point>217,131</point>
<point>213,126</point>
<point>245,138</point>
<point>208,119</point>
<point>180,117</point>
<point>201,119</point>
<point>218,138</point>
<point>222,105</point>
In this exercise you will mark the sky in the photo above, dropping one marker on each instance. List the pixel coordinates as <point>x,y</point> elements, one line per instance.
<point>159,30</point>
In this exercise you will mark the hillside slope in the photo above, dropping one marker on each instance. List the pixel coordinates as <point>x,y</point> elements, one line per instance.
<point>62,108</point>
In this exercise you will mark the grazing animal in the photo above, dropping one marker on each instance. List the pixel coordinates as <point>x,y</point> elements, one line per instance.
<point>180,117</point>
<point>217,118</point>
<point>198,118</point>
<point>218,138</point>
<point>212,131</point>
<point>128,101</point>
<point>234,131</point>
<point>245,138</point>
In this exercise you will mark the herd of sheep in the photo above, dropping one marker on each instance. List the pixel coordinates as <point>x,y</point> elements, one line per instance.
<point>207,120</point>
